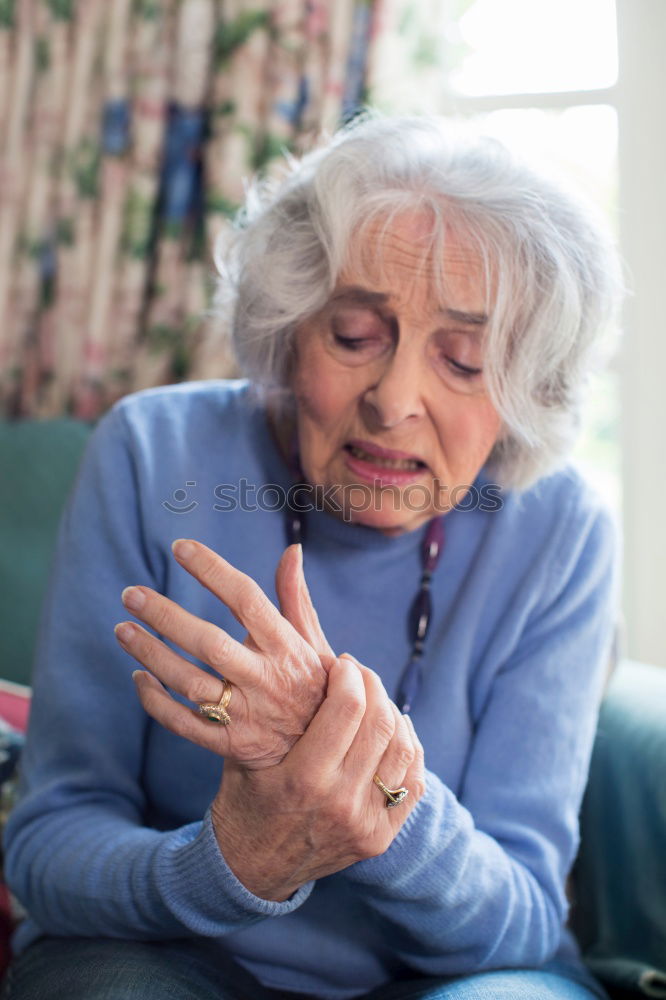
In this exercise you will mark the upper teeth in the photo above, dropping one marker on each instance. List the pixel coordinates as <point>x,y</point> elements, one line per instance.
<point>388,463</point>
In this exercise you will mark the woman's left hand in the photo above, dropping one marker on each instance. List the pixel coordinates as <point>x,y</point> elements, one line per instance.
<point>319,810</point>
<point>279,672</point>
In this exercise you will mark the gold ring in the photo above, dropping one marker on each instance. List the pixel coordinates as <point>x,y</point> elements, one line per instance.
<point>218,712</point>
<point>393,798</point>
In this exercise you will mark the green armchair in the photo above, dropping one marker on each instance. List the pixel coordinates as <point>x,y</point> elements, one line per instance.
<point>618,883</point>
<point>38,462</point>
<point>619,878</point>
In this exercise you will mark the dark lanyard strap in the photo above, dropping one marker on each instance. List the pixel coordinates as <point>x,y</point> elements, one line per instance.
<point>421,614</point>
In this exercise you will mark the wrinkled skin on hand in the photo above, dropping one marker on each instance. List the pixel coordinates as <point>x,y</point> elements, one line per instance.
<point>279,672</point>
<point>318,811</point>
<point>309,731</point>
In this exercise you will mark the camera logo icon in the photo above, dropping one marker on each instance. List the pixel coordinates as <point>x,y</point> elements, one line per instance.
<point>180,496</point>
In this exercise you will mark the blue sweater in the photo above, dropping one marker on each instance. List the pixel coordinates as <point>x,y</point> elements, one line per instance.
<point>112,835</point>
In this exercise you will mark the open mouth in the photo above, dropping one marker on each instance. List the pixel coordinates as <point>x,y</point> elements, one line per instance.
<point>384,461</point>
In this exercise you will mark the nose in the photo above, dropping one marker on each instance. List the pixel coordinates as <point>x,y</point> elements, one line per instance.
<point>395,394</point>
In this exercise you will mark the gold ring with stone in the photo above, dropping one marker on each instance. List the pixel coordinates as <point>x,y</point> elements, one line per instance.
<point>393,797</point>
<point>217,712</point>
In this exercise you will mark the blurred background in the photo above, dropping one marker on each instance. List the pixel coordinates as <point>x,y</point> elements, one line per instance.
<point>127,128</point>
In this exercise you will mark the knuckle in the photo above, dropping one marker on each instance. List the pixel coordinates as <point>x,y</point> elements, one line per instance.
<point>419,787</point>
<point>251,602</point>
<point>351,694</point>
<point>403,744</point>
<point>419,755</point>
<point>405,753</point>
<point>384,725</point>
<point>352,707</point>
<point>198,689</point>
<point>209,566</point>
<point>216,648</point>
<point>160,614</point>
<point>374,681</point>
<point>349,670</point>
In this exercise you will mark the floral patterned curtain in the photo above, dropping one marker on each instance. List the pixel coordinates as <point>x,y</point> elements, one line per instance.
<point>126,130</point>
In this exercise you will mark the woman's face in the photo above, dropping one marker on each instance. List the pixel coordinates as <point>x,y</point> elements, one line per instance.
<point>391,402</point>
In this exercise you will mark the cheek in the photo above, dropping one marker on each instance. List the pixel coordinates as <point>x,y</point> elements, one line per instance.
<point>467,435</point>
<point>321,405</point>
<point>489,424</point>
<point>487,433</point>
<point>324,393</point>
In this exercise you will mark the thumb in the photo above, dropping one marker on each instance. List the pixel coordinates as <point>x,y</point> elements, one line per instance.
<point>295,601</point>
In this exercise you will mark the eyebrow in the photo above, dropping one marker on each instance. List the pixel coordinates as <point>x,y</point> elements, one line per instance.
<point>357,295</point>
<point>469,318</point>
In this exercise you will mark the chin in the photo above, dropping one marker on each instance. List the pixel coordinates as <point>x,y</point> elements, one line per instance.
<point>388,522</point>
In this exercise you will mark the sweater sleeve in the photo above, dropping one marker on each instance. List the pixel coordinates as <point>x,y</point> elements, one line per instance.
<point>477,882</point>
<point>78,852</point>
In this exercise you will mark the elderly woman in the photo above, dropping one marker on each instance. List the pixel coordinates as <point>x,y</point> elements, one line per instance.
<point>416,313</point>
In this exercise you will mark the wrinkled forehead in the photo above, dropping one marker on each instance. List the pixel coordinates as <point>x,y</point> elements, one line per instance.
<point>435,262</point>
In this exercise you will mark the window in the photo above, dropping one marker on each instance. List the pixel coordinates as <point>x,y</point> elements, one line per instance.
<point>585,82</point>
<point>502,64</point>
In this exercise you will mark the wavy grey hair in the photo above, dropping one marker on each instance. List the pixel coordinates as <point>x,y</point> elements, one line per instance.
<point>552,277</point>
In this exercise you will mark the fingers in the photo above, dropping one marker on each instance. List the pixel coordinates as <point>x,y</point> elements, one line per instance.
<point>295,601</point>
<point>241,594</point>
<point>398,757</point>
<point>331,733</point>
<point>171,669</point>
<point>376,730</point>
<point>415,777</point>
<point>385,744</point>
<point>205,641</point>
<point>178,718</point>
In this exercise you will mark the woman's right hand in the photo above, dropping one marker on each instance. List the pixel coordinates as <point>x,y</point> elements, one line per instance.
<point>279,672</point>
<point>319,811</point>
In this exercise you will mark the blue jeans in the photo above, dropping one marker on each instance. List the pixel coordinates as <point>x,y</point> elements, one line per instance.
<point>108,969</point>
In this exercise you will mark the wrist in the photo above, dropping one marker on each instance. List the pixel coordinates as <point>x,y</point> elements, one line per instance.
<point>246,855</point>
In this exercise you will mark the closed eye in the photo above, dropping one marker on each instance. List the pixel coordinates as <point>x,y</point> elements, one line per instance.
<point>464,370</point>
<point>373,346</point>
<point>359,335</point>
<point>351,343</point>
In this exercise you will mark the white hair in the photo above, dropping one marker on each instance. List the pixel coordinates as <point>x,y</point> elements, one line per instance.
<point>552,276</point>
